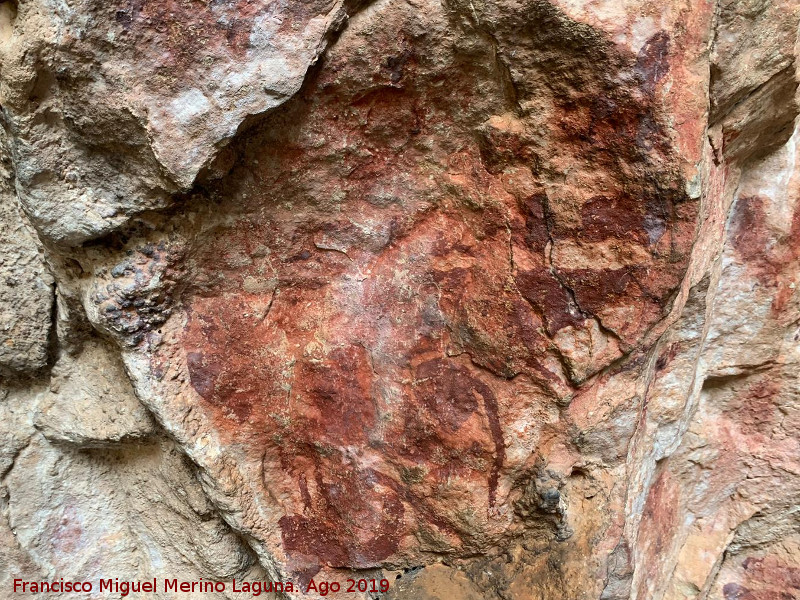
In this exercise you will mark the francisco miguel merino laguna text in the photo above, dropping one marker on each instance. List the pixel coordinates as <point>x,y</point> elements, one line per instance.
<point>256,588</point>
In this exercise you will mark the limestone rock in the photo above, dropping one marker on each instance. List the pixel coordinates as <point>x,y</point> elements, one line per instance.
<point>754,77</point>
<point>115,106</point>
<point>26,286</point>
<point>90,401</point>
<point>132,513</point>
<point>386,346</point>
<point>436,582</point>
<point>487,299</point>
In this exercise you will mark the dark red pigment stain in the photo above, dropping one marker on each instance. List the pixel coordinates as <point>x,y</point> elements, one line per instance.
<point>355,517</point>
<point>620,132</point>
<point>539,286</point>
<point>601,219</point>
<point>68,535</point>
<point>773,264</point>
<point>338,388</point>
<point>749,234</point>
<point>667,356</point>
<point>652,63</point>
<point>659,517</point>
<point>184,35</point>
<point>183,29</point>
<point>351,524</point>
<point>734,591</point>
<point>766,577</point>
<point>202,374</point>
<point>332,405</point>
<point>451,394</point>
<point>756,408</point>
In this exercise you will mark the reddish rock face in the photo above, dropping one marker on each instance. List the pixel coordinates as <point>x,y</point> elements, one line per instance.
<point>771,258</point>
<point>766,577</point>
<point>181,29</point>
<point>505,285</point>
<point>423,255</point>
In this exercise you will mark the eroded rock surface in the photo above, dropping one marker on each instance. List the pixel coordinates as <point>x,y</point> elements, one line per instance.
<point>115,106</point>
<point>26,286</point>
<point>489,299</point>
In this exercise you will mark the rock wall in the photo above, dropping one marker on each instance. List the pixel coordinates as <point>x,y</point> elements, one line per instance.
<point>488,299</point>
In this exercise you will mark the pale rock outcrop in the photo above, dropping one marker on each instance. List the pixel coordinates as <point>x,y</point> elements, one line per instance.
<point>115,106</point>
<point>91,402</point>
<point>131,511</point>
<point>26,286</point>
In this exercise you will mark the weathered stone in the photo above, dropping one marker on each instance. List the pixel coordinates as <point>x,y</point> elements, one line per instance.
<point>496,301</point>
<point>352,351</point>
<point>754,75</point>
<point>740,437</point>
<point>132,513</point>
<point>90,402</point>
<point>436,582</point>
<point>26,287</point>
<point>114,106</point>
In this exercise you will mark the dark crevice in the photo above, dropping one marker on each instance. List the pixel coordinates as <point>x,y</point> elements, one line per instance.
<point>549,223</point>
<point>725,380</point>
<point>53,348</point>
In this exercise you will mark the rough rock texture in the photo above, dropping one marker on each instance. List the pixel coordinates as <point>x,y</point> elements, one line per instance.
<point>490,299</point>
<point>113,106</point>
<point>90,402</point>
<point>26,287</point>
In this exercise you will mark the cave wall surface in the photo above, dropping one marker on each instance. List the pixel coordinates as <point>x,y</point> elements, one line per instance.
<point>489,298</point>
